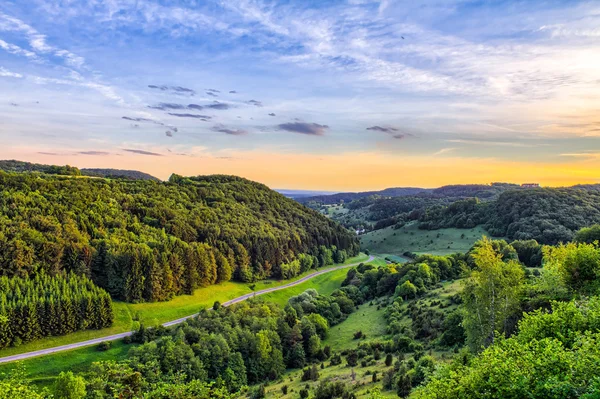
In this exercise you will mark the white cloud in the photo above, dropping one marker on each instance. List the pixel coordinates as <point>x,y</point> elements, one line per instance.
<point>8,74</point>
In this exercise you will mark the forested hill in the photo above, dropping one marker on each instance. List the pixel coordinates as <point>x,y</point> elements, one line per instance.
<point>66,170</point>
<point>548,215</point>
<point>148,240</point>
<point>11,165</point>
<point>118,173</point>
<point>349,197</point>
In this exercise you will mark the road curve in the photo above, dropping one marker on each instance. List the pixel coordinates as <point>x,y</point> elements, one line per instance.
<point>115,337</point>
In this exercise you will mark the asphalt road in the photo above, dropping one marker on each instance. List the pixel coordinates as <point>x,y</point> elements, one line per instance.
<point>115,337</point>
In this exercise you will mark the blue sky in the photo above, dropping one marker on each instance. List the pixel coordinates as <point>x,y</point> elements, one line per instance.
<point>349,94</point>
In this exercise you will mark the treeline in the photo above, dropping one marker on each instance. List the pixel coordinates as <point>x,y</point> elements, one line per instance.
<point>147,240</point>
<point>20,166</point>
<point>214,355</point>
<point>548,215</point>
<point>117,174</point>
<point>42,306</point>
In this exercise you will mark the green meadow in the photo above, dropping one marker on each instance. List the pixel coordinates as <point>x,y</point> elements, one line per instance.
<point>395,242</point>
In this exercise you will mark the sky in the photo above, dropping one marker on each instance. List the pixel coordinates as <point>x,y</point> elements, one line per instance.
<point>312,94</point>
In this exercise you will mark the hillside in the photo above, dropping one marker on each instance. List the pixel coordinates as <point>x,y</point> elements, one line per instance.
<point>376,211</point>
<point>12,165</point>
<point>352,196</point>
<point>548,215</point>
<point>118,173</point>
<point>143,240</point>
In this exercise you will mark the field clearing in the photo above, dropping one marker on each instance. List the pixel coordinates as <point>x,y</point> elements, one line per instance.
<point>324,284</point>
<point>155,313</point>
<point>43,370</point>
<point>410,238</point>
<point>334,210</point>
<point>367,318</point>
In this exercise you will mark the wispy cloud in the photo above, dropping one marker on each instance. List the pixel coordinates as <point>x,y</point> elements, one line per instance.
<point>256,103</point>
<point>444,151</point>
<point>8,74</point>
<point>386,129</point>
<point>95,153</point>
<point>311,129</point>
<point>194,116</point>
<point>174,89</point>
<point>226,130</point>
<point>142,152</point>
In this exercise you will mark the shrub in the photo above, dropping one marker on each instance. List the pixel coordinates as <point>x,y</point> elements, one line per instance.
<point>104,346</point>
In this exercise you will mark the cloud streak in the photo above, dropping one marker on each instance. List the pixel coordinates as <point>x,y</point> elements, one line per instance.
<point>142,152</point>
<point>233,132</point>
<point>311,129</point>
<point>174,89</point>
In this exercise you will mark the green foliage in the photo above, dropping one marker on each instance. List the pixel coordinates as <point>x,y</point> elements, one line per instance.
<point>406,290</point>
<point>588,235</point>
<point>547,215</point>
<point>491,294</point>
<point>144,240</point>
<point>45,306</point>
<point>19,166</point>
<point>529,252</point>
<point>578,265</point>
<point>15,386</point>
<point>554,355</point>
<point>68,386</point>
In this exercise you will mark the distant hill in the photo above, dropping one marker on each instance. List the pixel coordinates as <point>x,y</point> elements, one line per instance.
<point>118,173</point>
<point>12,165</point>
<point>352,196</point>
<point>548,215</point>
<point>299,194</point>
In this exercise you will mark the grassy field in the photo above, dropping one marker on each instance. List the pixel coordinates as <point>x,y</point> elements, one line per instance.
<point>43,370</point>
<point>334,210</point>
<point>388,241</point>
<point>160,312</point>
<point>367,318</point>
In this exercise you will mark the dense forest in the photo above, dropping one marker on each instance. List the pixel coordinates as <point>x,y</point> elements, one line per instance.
<point>20,166</point>
<point>117,174</point>
<point>32,308</point>
<point>148,240</point>
<point>548,215</point>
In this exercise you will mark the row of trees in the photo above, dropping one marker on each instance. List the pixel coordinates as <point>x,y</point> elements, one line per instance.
<point>44,306</point>
<point>148,240</point>
<point>215,354</point>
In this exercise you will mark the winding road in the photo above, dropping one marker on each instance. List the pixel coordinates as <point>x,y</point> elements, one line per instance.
<point>115,337</point>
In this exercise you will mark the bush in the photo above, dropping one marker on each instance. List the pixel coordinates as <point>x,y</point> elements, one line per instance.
<point>284,389</point>
<point>303,393</point>
<point>104,346</point>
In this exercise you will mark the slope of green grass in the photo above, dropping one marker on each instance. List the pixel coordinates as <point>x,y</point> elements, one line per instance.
<point>159,312</point>
<point>367,318</point>
<point>389,241</point>
<point>43,370</point>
